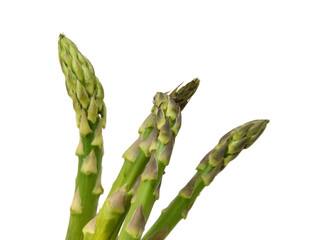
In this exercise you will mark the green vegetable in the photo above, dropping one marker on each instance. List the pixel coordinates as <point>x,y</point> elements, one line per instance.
<point>87,94</point>
<point>136,188</point>
<point>148,190</point>
<point>228,148</point>
<point>151,137</point>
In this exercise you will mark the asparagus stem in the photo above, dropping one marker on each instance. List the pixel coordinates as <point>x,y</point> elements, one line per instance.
<point>137,156</point>
<point>87,94</point>
<point>148,191</point>
<point>228,148</point>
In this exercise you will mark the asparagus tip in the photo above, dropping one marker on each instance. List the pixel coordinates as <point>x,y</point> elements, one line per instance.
<point>183,95</point>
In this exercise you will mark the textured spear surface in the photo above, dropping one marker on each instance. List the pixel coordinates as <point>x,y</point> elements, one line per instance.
<point>139,153</point>
<point>148,190</point>
<point>88,230</point>
<point>87,94</point>
<point>228,148</point>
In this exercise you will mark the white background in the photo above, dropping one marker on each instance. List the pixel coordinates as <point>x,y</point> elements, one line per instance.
<point>255,59</point>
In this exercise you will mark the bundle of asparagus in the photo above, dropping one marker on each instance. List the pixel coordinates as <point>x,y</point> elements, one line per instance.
<point>127,207</point>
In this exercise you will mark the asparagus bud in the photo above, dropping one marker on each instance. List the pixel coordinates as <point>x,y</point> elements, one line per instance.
<point>88,230</point>
<point>228,148</point>
<point>137,223</point>
<point>87,95</point>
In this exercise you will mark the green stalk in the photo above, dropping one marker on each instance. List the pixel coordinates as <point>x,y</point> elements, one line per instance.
<point>213,163</point>
<point>136,158</point>
<point>148,191</point>
<point>87,94</point>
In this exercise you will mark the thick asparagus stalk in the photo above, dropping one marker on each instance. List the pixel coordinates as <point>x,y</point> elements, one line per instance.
<point>87,94</point>
<point>136,157</point>
<point>148,191</point>
<point>228,148</point>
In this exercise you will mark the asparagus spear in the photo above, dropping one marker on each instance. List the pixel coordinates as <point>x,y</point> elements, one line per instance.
<point>87,94</point>
<point>109,219</point>
<point>148,191</point>
<point>228,148</point>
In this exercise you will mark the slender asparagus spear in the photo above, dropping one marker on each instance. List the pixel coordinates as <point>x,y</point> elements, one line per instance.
<point>228,148</point>
<point>87,94</point>
<point>148,191</point>
<point>137,156</point>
